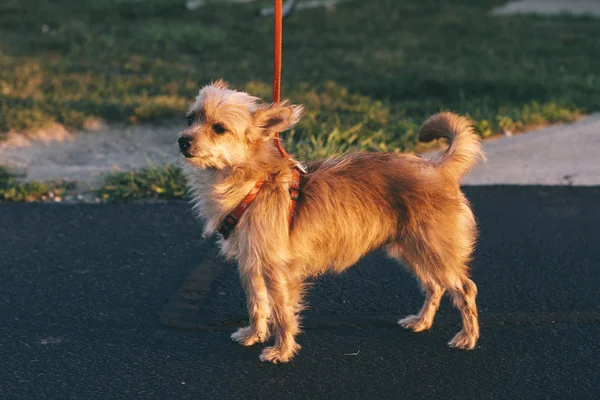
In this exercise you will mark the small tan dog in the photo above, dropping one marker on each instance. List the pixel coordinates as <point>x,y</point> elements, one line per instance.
<point>349,206</point>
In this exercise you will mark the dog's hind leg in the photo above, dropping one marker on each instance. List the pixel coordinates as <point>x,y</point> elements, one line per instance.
<point>433,291</point>
<point>257,301</point>
<point>424,319</point>
<point>463,297</point>
<point>285,295</point>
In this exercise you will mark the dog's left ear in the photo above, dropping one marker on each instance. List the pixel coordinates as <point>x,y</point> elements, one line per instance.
<point>277,117</point>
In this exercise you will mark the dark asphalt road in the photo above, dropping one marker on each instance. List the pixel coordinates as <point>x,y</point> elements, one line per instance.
<point>82,287</point>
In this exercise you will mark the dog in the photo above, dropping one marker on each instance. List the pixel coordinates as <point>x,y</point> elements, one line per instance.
<point>349,206</point>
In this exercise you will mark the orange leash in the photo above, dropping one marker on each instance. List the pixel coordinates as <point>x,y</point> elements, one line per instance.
<point>277,44</point>
<point>231,220</point>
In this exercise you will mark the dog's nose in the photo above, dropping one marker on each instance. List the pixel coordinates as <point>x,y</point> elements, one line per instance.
<point>185,142</point>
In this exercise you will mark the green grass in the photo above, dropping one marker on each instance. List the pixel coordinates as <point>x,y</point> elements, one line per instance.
<point>166,182</point>
<point>368,72</point>
<point>11,190</point>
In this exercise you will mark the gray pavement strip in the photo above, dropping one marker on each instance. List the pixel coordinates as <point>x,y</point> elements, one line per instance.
<point>558,155</point>
<point>562,154</point>
<point>550,7</point>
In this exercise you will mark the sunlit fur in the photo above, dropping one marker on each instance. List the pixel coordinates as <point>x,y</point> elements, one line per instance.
<point>349,206</point>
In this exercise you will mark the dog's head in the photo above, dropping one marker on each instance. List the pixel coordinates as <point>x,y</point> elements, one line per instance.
<point>228,128</point>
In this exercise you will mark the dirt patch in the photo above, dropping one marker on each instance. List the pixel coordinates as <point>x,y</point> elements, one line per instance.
<point>86,157</point>
<point>51,133</point>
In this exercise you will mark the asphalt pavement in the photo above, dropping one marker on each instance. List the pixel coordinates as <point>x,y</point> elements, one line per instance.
<point>128,302</point>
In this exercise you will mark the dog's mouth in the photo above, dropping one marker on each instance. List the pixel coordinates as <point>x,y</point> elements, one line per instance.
<point>195,160</point>
<point>188,154</point>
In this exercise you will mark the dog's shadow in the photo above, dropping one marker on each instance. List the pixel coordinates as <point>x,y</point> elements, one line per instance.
<point>374,293</point>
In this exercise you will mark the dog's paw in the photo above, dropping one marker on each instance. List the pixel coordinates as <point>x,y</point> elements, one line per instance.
<point>248,336</point>
<point>279,355</point>
<point>414,323</point>
<point>463,340</point>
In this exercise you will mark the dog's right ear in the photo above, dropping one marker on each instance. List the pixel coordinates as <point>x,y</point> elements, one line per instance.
<point>277,117</point>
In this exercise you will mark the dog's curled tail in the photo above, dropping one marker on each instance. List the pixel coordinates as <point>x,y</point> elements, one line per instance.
<point>464,149</point>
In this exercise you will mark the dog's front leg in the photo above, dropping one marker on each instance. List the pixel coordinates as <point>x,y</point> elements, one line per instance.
<point>285,297</point>
<point>257,301</point>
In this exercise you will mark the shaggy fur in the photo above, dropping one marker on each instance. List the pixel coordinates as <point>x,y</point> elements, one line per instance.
<point>349,206</point>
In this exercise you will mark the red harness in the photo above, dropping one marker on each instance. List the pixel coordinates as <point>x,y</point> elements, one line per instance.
<point>231,220</point>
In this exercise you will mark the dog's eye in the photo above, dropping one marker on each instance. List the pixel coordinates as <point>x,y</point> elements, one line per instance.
<point>190,119</point>
<point>218,128</point>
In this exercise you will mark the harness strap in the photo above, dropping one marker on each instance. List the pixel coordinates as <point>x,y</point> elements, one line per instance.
<point>294,193</point>
<point>231,220</point>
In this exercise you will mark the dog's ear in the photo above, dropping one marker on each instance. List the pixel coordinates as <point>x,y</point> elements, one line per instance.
<point>221,84</point>
<point>277,117</point>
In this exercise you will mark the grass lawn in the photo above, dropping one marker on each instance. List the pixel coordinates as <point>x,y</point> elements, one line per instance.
<point>165,182</point>
<point>368,72</point>
<point>14,191</point>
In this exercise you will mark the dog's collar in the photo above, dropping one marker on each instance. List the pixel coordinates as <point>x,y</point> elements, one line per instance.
<point>231,220</point>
